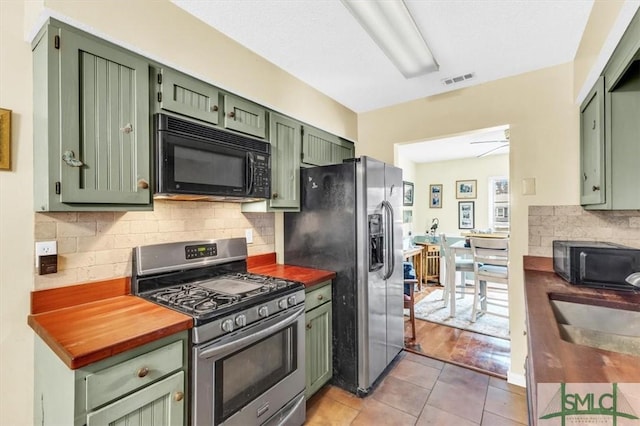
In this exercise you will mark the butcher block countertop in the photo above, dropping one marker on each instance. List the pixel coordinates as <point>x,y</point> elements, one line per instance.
<point>86,323</point>
<point>266,265</point>
<point>90,322</point>
<point>557,361</point>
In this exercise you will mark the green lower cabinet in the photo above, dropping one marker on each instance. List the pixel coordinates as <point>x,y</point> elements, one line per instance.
<point>318,347</point>
<point>142,386</point>
<point>159,404</point>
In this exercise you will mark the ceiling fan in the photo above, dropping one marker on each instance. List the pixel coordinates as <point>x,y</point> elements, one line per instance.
<point>503,143</point>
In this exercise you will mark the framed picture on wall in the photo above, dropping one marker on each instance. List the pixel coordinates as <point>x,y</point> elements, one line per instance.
<point>407,216</point>
<point>407,191</point>
<point>466,188</point>
<point>435,196</point>
<point>466,214</point>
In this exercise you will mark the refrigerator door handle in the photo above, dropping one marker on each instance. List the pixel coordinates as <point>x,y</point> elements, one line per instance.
<point>389,239</point>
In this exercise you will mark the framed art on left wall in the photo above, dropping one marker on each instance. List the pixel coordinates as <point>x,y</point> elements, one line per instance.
<point>5,139</point>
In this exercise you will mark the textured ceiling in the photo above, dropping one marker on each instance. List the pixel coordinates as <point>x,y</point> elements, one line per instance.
<point>319,42</point>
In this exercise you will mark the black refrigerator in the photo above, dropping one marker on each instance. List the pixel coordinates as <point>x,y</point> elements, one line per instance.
<point>350,222</point>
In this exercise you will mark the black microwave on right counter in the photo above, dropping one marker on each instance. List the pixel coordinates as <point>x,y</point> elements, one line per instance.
<point>596,264</point>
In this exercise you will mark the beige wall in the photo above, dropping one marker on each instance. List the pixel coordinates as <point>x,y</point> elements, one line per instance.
<point>447,173</point>
<point>98,245</point>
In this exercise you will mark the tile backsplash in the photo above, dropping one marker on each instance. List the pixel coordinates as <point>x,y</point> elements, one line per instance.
<point>548,223</point>
<point>97,245</point>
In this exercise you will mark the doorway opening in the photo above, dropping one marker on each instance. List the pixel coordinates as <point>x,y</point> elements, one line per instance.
<point>461,189</point>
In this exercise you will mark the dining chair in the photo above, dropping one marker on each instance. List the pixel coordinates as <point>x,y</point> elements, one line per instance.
<point>409,298</point>
<point>490,265</point>
<point>462,265</point>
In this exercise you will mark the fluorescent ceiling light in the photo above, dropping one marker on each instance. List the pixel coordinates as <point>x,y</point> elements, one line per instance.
<point>392,27</point>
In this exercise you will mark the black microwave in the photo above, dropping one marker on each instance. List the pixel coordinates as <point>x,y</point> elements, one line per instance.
<point>200,162</point>
<point>595,264</point>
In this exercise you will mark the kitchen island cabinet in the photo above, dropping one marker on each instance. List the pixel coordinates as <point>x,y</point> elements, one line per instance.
<point>91,123</point>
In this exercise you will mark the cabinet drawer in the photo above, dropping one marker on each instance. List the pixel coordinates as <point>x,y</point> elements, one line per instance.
<point>110,383</point>
<point>316,297</point>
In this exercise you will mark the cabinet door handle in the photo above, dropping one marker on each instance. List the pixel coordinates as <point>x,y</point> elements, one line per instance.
<point>309,326</point>
<point>214,108</point>
<point>584,176</point>
<point>143,184</point>
<point>231,114</point>
<point>275,195</point>
<point>143,372</point>
<point>178,396</point>
<point>320,297</point>
<point>127,129</point>
<point>595,188</point>
<point>69,157</point>
<point>594,125</point>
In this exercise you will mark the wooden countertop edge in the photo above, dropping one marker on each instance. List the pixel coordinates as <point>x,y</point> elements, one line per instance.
<point>49,318</point>
<point>307,276</point>
<point>122,345</point>
<point>556,360</point>
<point>537,263</point>
<point>73,295</point>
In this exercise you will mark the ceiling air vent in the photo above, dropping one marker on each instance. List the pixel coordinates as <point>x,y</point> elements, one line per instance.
<point>458,79</point>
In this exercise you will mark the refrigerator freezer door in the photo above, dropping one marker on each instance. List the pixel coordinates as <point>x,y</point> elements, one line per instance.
<point>372,292</point>
<point>394,284</point>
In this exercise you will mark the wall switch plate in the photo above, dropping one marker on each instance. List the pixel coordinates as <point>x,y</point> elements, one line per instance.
<point>248,234</point>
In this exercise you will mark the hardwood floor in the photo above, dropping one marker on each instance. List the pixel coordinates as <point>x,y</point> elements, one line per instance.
<point>482,353</point>
<point>422,391</point>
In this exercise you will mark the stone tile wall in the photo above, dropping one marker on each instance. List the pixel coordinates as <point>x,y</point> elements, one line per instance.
<point>97,245</point>
<point>548,223</point>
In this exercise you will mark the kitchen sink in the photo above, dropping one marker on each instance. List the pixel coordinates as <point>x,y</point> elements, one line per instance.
<point>586,323</point>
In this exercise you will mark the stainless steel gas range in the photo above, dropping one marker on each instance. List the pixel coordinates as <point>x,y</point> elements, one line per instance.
<point>247,355</point>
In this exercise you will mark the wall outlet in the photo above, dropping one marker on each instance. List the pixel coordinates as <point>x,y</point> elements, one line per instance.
<point>45,248</point>
<point>248,234</point>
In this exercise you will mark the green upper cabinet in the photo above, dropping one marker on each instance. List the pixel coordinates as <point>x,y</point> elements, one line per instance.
<point>244,116</point>
<point>285,162</point>
<point>91,124</point>
<point>320,148</point>
<point>592,147</point>
<point>186,95</point>
<point>285,135</point>
<point>610,130</point>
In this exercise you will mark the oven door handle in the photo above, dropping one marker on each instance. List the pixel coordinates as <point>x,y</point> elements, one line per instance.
<point>218,349</point>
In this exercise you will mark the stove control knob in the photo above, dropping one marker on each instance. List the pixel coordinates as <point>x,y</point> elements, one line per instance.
<point>263,311</point>
<point>241,320</point>
<point>227,325</point>
<point>291,300</point>
<point>282,304</point>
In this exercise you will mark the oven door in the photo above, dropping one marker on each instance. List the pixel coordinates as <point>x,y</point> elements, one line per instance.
<point>250,377</point>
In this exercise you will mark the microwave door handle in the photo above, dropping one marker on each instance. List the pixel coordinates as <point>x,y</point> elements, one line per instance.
<point>583,265</point>
<point>251,165</point>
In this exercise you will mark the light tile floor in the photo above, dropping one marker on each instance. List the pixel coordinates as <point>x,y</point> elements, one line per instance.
<point>422,391</point>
